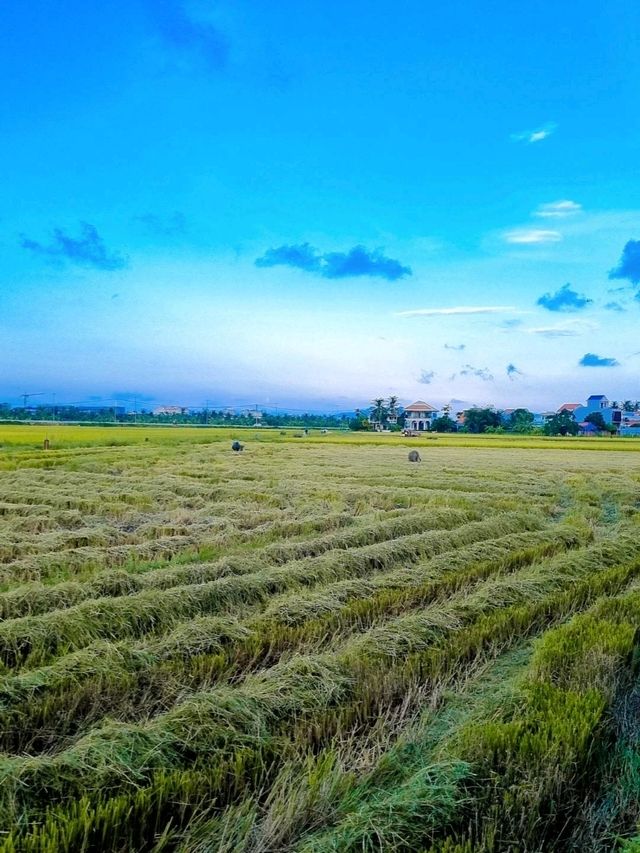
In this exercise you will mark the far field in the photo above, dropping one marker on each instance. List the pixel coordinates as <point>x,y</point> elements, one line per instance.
<point>316,646</point>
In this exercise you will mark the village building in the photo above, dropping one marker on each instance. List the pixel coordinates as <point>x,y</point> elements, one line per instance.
<point>170,410</point>
<point>569,407</point>
<point>630,425</point>
<point>419,416</point>
<point>587,428</point>
<point>611,414</point>
<point>542,418</point>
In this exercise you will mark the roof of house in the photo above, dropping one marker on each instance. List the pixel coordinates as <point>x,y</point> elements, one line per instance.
<point>587,426</point>
<point>597,397</point>
<point>570,407</point>
<point>420,406</point>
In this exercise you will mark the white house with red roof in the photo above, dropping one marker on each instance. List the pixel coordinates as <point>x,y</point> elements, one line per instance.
<point>419,416</point>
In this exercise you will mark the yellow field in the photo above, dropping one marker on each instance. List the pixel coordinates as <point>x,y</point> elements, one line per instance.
<point>315,646</point>
<point>66,436</point>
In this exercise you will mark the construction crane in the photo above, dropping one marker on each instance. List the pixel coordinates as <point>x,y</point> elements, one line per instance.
<point>26,397</point>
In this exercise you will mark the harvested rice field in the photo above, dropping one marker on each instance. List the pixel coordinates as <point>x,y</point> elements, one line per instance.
<point>316,646</point>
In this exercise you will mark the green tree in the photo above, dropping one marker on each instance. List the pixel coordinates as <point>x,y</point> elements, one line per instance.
<point>379,412</point>
<point>444,424</point>
<point>358,424</point>
<point>597,420</point>
<point>392,407</point>
<point>563,423</point>
<point>477,419</point>
<point>520,421</point>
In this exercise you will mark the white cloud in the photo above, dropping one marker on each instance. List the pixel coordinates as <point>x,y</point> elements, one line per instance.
<point>536,135</point>
<point>571,328</point>
<point>558,209</point>
<point>457,310</point>
<point>532,236</point>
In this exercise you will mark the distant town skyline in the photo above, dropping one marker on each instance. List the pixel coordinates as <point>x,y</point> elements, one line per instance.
<point>147,403</point>
<point>314,204</point>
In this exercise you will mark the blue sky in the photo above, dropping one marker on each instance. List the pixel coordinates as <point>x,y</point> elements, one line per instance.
<point>310,204</point>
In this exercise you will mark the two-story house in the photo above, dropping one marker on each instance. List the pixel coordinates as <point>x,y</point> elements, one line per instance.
<point>419,416</point>
<point>599,403</point>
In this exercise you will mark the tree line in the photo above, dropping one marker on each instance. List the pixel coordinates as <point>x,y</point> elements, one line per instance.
<point>203,417</point>
<point>385,414</point>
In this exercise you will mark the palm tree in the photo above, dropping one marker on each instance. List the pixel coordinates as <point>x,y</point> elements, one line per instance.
<point>391,409</point>
<point>378,411</point>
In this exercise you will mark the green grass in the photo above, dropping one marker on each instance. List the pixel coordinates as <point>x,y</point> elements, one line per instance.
<point>315,645</point>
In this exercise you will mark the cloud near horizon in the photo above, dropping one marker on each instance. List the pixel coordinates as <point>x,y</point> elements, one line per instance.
<point>479,372</point>
<point>457,310</point>
<point>564,299</point>
<point>571,328</point>
<point>131,397</point>
<point>303,257</point>
<point>358,261</point>
<point>531,236</point>
<point>629,264</point>
<point>590,359</point>
<point>557,209</point>
<point>87,250</point>
<point>536,135</point>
